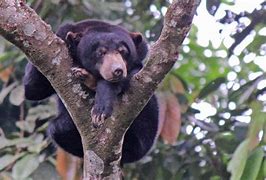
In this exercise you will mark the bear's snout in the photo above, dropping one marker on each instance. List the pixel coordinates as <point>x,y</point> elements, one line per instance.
<point>117,70</point>
<point>113,67</point>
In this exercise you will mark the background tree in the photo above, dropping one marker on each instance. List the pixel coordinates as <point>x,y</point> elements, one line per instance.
<point>226,78</point>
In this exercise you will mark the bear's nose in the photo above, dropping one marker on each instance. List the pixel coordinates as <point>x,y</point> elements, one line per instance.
<point>118,72</point>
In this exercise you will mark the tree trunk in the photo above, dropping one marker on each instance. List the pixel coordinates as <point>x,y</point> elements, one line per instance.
<point>20,25</point>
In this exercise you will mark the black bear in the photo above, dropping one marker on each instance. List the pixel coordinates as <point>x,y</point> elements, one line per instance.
<point>112,55</point>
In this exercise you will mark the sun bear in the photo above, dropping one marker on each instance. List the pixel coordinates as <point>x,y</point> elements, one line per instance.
<point>112,55</point>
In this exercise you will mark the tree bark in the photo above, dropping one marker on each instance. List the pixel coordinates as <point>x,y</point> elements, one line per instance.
<point>20,25</point>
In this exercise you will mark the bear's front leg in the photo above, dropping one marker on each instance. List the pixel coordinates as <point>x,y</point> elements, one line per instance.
<point>86,77</point>
<point>106,95</point>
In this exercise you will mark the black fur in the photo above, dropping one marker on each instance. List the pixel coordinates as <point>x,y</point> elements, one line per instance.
<point>37,87</point>
<point>85,35</point>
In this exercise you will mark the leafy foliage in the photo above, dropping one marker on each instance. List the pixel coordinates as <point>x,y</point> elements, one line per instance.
<point>219,88</point>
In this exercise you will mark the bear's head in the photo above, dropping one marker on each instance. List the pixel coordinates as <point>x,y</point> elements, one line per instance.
<point>109,52</point>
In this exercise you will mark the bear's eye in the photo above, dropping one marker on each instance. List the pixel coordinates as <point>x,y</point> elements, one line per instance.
<point>100,52</point>
<point>123,50</point>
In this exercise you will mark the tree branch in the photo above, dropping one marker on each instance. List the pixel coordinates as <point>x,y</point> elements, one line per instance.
<point>102,147</point>
<point>257,17</point>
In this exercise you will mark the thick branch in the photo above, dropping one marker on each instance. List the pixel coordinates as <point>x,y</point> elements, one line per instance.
<point>102,147</point>
<point>257,17</point>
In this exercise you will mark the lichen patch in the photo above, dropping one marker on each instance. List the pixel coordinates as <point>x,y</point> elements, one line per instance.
<point>56,60</point>
<point>29,29</point>
<point>173,23</point>
<point>26,44</point>
<point>105,136</point>
<point>147,79</point>
<point>6,14</point>
<point>94,165</point>
<point>76,88</point>
<point>118,148</point>
<point>40,35</point>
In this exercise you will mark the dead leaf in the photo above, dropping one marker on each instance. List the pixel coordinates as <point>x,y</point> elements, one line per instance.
<point>176,85</point>
<point>162,110</point>
<point>172,123</point>
<point>68,166</point>
<point>5,73</point>
<point>6,90</point>
<point>16,96</point>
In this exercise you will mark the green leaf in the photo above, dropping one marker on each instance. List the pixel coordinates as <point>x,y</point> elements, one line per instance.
<point>8,159</point>
<point>7,55</point>
<point>27,126</point>
<point>17,95</point>
<point>262,171</point>
<point>228,2</point>
<point>184,83</point>
<point>45,171</point>
<point>38,144</point>
<point>41,112</point>
<point>25,166</point>
<point>6,90</point>
<point>264,168</point>
<point>237,163</point>
<point>211,87</point>
<point>5,161</point>
<point>258,118</point>
<point>238,112</point>
<point>253,165</point>
<point>215,178</point>
<point>18,142</point>
<point>3,141</point>
<point>226,141</point>
<point>5,175</point>
<point>245,91</point>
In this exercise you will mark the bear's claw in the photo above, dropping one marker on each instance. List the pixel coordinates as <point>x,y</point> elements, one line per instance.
<point>99,113</point>
<point>78,72</point>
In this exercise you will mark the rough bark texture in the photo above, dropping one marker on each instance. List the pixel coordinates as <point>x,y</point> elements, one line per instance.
<point>20,25</point>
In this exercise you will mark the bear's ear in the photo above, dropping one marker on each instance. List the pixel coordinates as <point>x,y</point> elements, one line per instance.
<point>137,38</point>
<point>73,38</point>
<point>140,43</point>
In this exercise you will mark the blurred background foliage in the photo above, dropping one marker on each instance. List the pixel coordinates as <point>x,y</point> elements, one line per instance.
<point>213,100</point>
